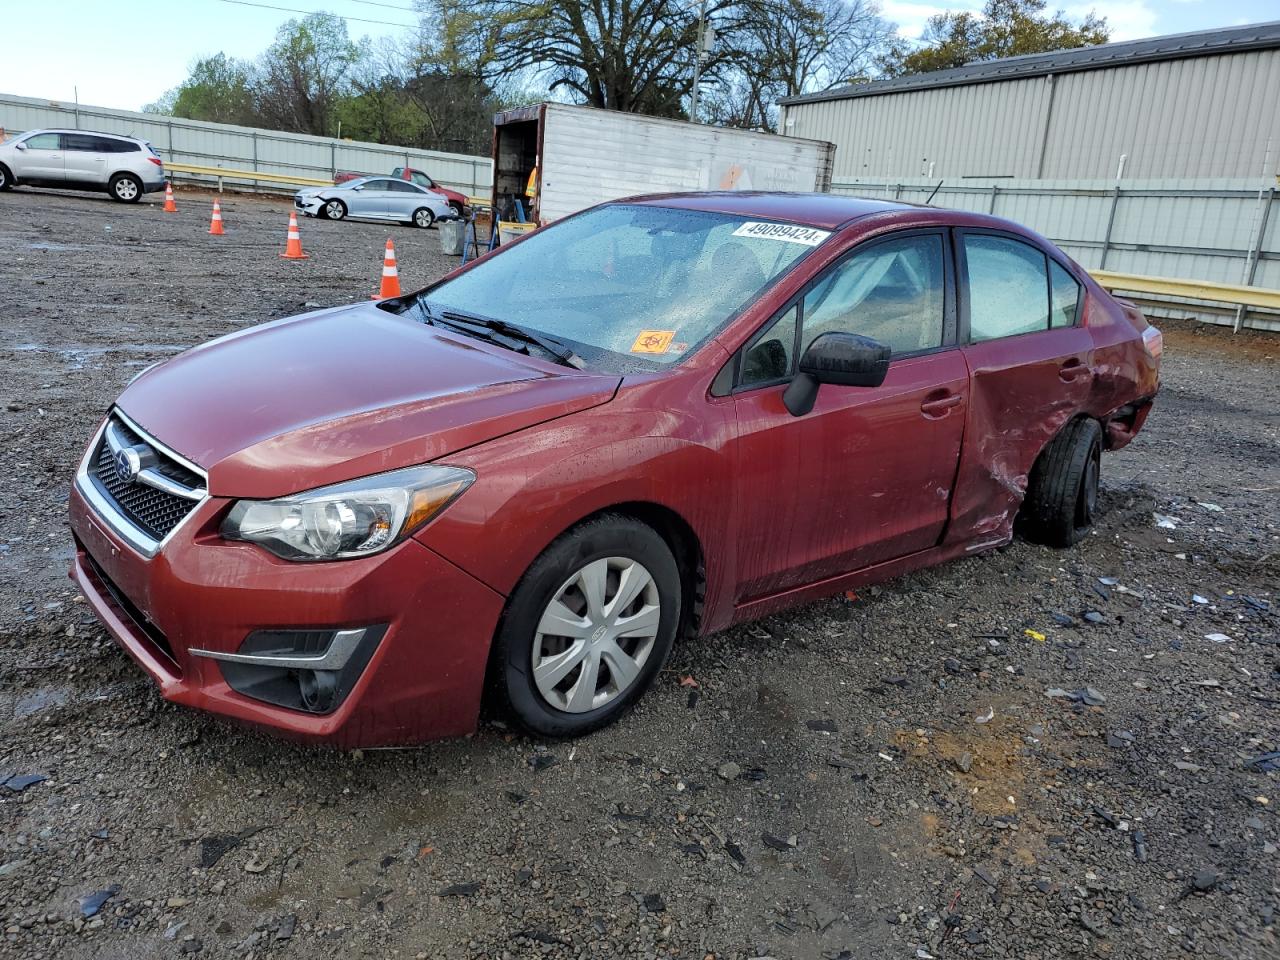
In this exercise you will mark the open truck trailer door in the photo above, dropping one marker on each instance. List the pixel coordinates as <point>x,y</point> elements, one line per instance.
<point>555,159</point>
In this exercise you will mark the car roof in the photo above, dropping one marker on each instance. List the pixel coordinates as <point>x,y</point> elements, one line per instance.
<point>91,133</point>
<point>822,210</point>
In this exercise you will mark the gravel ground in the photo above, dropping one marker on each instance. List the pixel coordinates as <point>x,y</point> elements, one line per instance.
<point>820,784</point>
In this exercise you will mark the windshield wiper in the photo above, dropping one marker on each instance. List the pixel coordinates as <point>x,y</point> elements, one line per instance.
<point>468,322</point>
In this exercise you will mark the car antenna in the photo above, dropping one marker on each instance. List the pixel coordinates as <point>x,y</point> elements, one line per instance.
<point>935,192</point>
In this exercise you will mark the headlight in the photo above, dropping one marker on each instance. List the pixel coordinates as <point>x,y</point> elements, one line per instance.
<point>352,519</point>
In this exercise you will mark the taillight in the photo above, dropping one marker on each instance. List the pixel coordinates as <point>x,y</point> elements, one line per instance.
<point>1153,342</point>
<point>157,161</point>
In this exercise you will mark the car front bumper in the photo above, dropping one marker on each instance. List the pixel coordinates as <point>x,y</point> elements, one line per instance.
<point>200,592</point>
<point>308,205</point>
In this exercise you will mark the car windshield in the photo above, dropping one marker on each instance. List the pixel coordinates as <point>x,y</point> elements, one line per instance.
<point>631,286</point>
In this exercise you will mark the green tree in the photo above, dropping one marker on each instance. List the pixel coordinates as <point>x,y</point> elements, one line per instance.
<point>1005,28</point>
<point>220,89</point>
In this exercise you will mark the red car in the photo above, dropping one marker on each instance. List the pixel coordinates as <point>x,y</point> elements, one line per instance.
<point>455,199</point>
<point>654,419</point>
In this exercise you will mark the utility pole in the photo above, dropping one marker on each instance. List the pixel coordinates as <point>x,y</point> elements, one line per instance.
<point>700,47</point>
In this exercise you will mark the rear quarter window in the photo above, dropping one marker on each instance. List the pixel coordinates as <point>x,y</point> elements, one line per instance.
<point>1064,297</point>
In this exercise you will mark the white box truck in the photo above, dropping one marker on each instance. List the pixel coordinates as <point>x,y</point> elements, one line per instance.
<point>557,159</point>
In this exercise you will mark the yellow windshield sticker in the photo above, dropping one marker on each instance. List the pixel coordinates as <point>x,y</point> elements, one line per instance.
<point>653,341</point>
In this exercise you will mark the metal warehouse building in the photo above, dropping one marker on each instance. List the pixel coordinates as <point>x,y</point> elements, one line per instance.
<point>1192,105</point>
<point>1154,158</point>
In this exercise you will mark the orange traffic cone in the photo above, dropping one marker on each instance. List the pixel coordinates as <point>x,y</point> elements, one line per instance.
<point>390,277</point>
<point>293,248</point>
<point>169,205</point>
<point>215,225</point>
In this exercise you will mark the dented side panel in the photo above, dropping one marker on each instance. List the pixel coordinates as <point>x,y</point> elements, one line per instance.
<point>1023,390</point>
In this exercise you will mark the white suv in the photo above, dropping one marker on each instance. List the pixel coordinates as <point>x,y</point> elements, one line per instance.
<point>124,167</point>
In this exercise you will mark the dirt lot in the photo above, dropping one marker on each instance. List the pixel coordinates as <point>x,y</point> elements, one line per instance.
<point>826,790</point>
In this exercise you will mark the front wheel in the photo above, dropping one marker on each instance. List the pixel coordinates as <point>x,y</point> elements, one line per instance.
<point>588,627</point>
<point>423,218</point>
<point>125,187</point>
<point>6,178</point>
<point>1062,491</point>
<point>333,210</point>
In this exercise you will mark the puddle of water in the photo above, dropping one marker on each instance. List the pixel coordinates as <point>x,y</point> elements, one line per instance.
<point>46,698</point>
<point>76,348</point>
<point>77,356</point>
<point>49,245</point>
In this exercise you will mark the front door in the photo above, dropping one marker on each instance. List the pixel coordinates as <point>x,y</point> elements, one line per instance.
<point>42,158</point>
<point>867,475</point>
<point>369,199</point>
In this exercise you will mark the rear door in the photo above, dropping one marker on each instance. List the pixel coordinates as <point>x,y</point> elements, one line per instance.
<point>42,158</point>
<point>867,475</point>
<point>403,198</point>
<point>1031,368</point>
<point>86,157</point>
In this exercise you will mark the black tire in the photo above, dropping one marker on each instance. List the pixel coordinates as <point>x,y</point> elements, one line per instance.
<point>6,178</point>
<point>423,218</point>
<point>1062,491</point>
<point>458,209</point>
<point>125,187</point>
<point>511,662</point>
<point>333,210</point>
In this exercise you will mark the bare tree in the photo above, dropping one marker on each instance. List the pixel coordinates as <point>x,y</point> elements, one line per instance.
<point>304,74</point>
<point>788,47</point>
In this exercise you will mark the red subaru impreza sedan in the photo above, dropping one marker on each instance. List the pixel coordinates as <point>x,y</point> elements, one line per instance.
<point>654,419</point>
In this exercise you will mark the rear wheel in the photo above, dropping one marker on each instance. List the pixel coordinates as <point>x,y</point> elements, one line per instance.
<point>125,187</point>
<point>6,178</point>
<point>424,218</point>
<point>1062,491</point>
<point>333,210</point>
<point>588,627</point>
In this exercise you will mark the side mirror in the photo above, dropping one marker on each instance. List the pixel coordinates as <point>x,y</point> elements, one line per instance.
<point>357,189</point>
<point>20,145</point>
<point>844,359</point>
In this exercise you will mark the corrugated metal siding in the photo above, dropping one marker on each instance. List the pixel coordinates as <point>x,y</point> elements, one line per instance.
<point>1207,116</point>
<point>589,156</point>
<point>268,151</point>
<point>1201,229</point>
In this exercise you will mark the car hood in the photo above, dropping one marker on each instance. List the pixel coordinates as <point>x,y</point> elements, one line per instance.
<point>343,393</point>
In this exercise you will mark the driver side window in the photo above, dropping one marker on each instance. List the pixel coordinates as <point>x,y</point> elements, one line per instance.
<point>892,292</point>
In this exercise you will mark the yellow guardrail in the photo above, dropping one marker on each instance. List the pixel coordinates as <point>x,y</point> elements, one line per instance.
<point>230,174</point>
<point>1189,289</point>
<point>233,174</point>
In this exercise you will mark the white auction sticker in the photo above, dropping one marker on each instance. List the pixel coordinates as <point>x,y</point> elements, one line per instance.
<point>787,232</point>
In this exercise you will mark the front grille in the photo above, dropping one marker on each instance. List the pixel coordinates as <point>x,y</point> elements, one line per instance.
<point>153,511</point>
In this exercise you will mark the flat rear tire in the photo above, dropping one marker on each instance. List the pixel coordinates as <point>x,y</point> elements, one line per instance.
<point>1062,490</point>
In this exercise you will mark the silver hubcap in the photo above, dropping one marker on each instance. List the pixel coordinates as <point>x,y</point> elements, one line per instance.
<point>126,189</point>
<point>424,218</point>
<point>596,634</point>
<point>334,210</point>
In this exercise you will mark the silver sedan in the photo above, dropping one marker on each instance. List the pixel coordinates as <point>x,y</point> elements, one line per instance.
<point>375,198</point>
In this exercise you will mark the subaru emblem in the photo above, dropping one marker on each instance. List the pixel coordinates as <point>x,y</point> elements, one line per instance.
<point>128,464</point>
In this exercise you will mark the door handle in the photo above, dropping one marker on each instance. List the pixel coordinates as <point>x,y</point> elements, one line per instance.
<point>939,406</point>
<point>1073,369</point>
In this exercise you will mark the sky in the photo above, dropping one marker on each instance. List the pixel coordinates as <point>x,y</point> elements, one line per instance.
<point>125,53</point>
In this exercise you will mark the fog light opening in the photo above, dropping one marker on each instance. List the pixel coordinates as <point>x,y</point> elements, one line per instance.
<point>319,689</point>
